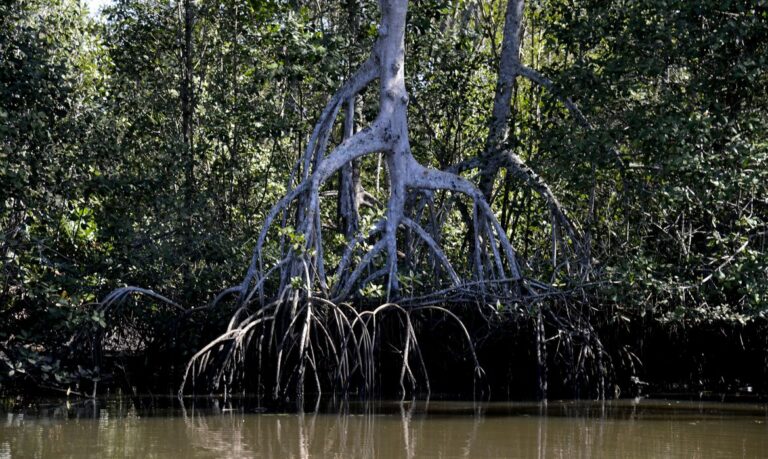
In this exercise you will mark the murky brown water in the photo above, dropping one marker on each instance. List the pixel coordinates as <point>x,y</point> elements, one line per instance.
<point>438,429</point>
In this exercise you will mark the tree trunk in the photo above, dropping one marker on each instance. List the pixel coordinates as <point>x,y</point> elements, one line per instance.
<point>188,154</point>
<point>498,128</point>
<point>496,154</point>
<point>350,188</point>
<point>388,135</point>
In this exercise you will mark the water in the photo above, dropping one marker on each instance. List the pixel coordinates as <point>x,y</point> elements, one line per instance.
<point>117,428</point>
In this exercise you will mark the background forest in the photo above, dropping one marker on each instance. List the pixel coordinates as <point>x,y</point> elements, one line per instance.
<point>145,145</point>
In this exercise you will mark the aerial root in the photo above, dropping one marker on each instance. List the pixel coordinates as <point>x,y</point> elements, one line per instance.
<point>118,296</point>
<point>112,308</point>
<point>308,327</point>
<point>579,346</point>
<point>313,339</point>
<point>494,257</point>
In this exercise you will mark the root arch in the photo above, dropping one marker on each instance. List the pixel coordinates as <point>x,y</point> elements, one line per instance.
<point>387,135</point>
<point>310,325</point>
<point>299,315</point>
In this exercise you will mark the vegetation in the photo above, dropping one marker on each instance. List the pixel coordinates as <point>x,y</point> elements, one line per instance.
<point>343,192</point>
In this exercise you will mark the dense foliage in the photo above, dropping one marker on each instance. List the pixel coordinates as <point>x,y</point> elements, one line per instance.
<point>144,145</point>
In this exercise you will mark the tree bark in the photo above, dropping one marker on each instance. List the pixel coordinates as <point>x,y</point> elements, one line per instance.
<point>350,188</point>
<point>497,154</point>
<point>187,123</point>
<point>498,128</point>
<point>388,135</point>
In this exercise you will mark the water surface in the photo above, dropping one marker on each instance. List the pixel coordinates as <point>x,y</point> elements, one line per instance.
<point>626,429</point>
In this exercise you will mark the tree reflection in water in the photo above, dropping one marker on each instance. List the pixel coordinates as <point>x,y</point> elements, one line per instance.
<point>126,428</point>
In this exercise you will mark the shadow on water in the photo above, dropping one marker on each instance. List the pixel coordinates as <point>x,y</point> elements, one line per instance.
<point>209,427</point>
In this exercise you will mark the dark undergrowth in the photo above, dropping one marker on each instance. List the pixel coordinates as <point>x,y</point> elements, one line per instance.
<point>640,357</point>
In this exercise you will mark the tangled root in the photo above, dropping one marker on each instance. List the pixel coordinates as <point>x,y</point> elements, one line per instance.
<point>335,346</point>
<point>300,318</point>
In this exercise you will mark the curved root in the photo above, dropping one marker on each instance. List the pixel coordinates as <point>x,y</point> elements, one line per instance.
<point>301,331</point>
<point>333,341</point>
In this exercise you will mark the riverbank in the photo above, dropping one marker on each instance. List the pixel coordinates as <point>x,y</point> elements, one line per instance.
<point>641,358</point>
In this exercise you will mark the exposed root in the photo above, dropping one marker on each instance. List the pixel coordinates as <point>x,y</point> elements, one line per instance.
<point>301,318</point>
<point>335,344</point>
<point>577,346</point>
<point>494,256</point>
<point>118,296</point>
<point>307,332</point>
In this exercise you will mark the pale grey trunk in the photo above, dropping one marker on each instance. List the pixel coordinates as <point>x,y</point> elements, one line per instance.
<point>497,154</point>
<point>388,135</point>
<point>350,188</point>
<point>498,128</point>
